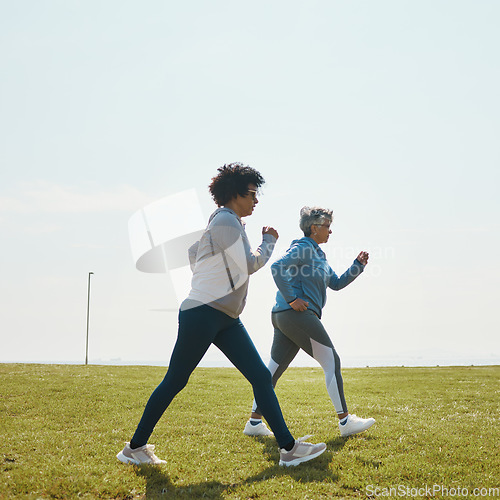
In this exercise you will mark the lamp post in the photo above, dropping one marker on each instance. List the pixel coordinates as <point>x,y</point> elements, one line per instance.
<point>88,310</point>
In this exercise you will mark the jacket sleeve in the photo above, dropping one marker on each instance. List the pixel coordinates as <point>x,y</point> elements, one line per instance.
<point>229,237</point>
<point>256,260</point>
<point>292,260</point>
<point>349,276</point>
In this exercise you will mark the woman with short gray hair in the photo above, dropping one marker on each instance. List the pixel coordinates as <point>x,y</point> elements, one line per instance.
<point>313,216</point>
<point>302,276</point>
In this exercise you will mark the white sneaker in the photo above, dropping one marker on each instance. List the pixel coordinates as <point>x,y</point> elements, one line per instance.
<point>256,430</point>
<point>142,455</point>
<point>355,425</point>
<point>301,452</point>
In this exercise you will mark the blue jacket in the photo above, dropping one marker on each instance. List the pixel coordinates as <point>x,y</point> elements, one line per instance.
<point>303,272</point>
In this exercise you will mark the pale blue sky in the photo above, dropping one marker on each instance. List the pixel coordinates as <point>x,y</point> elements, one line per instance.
<point>387,112</point>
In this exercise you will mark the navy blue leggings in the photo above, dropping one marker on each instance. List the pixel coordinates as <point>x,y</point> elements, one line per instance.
<point>198,328</point>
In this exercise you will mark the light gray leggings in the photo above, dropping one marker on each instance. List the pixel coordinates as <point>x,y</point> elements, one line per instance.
<point>294,330</point>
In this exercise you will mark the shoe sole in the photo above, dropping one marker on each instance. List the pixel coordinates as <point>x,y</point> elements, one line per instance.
<point>356,432</point>
<point>258,435</point>
<point>130,461</point>
<point>301,460</point>
<point>126,460</point>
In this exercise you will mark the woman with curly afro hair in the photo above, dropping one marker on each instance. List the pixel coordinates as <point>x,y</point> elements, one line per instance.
<point>221,261</point>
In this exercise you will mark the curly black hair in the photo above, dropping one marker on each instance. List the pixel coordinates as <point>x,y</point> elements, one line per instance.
<point>232,180</point>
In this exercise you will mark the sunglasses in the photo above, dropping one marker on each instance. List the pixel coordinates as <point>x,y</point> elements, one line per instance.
<point>252,193</point>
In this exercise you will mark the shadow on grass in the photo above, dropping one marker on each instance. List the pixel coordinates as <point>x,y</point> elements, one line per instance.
<point>160,485</point>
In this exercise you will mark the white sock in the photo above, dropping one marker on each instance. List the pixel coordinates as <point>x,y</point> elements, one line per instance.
<point>344,420</point>
<point>255,421</point>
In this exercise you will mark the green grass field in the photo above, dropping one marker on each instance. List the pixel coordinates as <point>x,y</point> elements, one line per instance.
<point>62,425</point>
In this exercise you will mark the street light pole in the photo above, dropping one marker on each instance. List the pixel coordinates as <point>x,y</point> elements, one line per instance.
<point>88,310</point>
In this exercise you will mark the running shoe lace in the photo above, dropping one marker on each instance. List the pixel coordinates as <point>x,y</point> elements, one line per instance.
<point>303,438</point>
<point>150,451</point>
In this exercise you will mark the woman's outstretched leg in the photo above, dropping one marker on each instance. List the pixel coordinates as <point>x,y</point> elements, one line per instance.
<point>197,328</point>
<point>236,344</point>
<point>283,351</point>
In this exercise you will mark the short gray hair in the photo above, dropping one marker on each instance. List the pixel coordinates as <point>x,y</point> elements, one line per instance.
<point>313,216</point>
